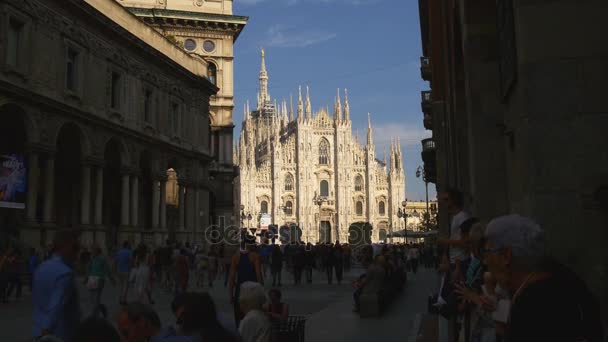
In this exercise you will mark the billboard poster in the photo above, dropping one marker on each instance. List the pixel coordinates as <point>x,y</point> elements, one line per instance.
<point>12,181</point>
<point>265,221</point>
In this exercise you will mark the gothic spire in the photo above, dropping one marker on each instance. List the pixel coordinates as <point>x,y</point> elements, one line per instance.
<point>346,106</point>
<point>370,142</point>
<point>308,105</point>
<point>290,107</point>
<point>338,108</point>
<point>264,96</point>
<point>300,106</point>
<point>285,111</point>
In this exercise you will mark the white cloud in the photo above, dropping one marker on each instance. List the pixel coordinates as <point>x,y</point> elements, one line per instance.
<point>279,36</point>
<point>408,134</point>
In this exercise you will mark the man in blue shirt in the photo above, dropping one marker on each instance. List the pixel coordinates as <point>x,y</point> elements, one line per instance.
<point>55,296</point>
<point>123,267</point>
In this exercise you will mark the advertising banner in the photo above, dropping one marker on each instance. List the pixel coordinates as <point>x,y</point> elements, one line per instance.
<point>12,181</point>
<point>265,221</point>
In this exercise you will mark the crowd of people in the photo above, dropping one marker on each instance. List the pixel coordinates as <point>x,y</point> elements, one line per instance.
<point>498,283</point>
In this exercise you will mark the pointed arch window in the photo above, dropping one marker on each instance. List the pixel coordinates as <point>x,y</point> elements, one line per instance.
<point>324,188</point>
<point>381,208</point>
<point>359,183</point>
<point>289,182</point>
<point>359,208</point>
<point>264,207</point>
<point>212,73</point>
<point>324,152</point>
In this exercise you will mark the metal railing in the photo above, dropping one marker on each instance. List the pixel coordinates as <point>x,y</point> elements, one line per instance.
<point>428,145</point>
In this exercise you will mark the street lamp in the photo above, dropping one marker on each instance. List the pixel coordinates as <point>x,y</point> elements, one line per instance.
<point>318,200</point>
<point>403,214</point>
<point>420,172</point>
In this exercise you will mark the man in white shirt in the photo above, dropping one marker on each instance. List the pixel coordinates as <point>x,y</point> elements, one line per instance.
<point>255,326</point>
<point>456,242</point>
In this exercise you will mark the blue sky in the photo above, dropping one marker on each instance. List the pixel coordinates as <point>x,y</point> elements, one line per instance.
<point>370,47</point>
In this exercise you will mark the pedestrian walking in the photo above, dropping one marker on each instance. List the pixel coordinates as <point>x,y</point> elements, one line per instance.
<point>97,271</point>
<point>56,308</point>
<point>141,276</point>
<point>182,268</point>
<point>15,268</point>
<point>213,265</point>
<point>276,264</point>
<point>123,263</point>
<point>414,255</point>
<point>245,267</point>
<point>309,257</point>
<point>329,262</point>
<point>338,262</point>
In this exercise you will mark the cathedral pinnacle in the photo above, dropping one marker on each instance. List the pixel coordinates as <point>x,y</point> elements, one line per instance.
<point>370,141</point>
<point>290,107</point>
<point>346,106</point>
<point>308,105</point>
<point>300,106</point>
<point>264,96</point>
<point>338,108</point>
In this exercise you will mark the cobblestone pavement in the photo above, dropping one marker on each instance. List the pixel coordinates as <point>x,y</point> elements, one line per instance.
<point>328,308</point>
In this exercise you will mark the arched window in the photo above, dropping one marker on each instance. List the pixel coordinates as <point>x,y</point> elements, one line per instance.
<point>289,182</point>
<point>288,208</point>
<point>324,188</point>
<point>212,73</point>
<point>324,152</point>
<point>264,207</point>
<point>359,183</point>
<point>359,208</point>
<point>381,209</point>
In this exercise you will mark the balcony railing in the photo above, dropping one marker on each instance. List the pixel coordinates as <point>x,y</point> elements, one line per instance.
<point>428,145</point>
<point>426,99</point>
<point>428,121</point>
<point>426,70</point>
<point>429,157</point>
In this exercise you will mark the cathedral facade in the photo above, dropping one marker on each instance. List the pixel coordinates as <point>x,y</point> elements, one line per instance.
<point>309,170</point>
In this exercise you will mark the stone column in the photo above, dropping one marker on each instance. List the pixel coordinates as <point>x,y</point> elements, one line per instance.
<point>124,219</point>
<point>155,204</point>
<point>49,181</point>
<point>197,211</point>
<point>134,201</point>
<point>85,200</point>
<point>182,206</point>
<point>97,220</point>
<point>32,186</point>
<point>163,204</point>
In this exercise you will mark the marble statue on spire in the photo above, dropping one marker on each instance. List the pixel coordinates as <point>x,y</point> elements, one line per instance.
<point>346,106</point>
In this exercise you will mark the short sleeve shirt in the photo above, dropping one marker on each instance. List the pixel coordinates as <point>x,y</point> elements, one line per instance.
<point>455,234</point>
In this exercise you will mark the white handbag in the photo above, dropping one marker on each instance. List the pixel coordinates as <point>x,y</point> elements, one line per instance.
<point>92,282</point>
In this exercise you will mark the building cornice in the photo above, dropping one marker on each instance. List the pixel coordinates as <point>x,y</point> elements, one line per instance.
<point>187,19</point>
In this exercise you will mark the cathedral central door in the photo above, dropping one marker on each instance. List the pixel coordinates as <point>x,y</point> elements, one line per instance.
<point>325,232</point>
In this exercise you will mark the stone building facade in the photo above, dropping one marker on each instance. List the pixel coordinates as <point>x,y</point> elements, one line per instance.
<point>206,29</point>
<point>109,115</point>
<point>287,162</point>
<point>518,115</point>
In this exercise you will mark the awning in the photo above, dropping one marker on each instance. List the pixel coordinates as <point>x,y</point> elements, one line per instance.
<point>413,234</point>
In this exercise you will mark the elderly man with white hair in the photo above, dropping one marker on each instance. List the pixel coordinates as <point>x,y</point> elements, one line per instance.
<point>255,326</point>
<point>548,301</point>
